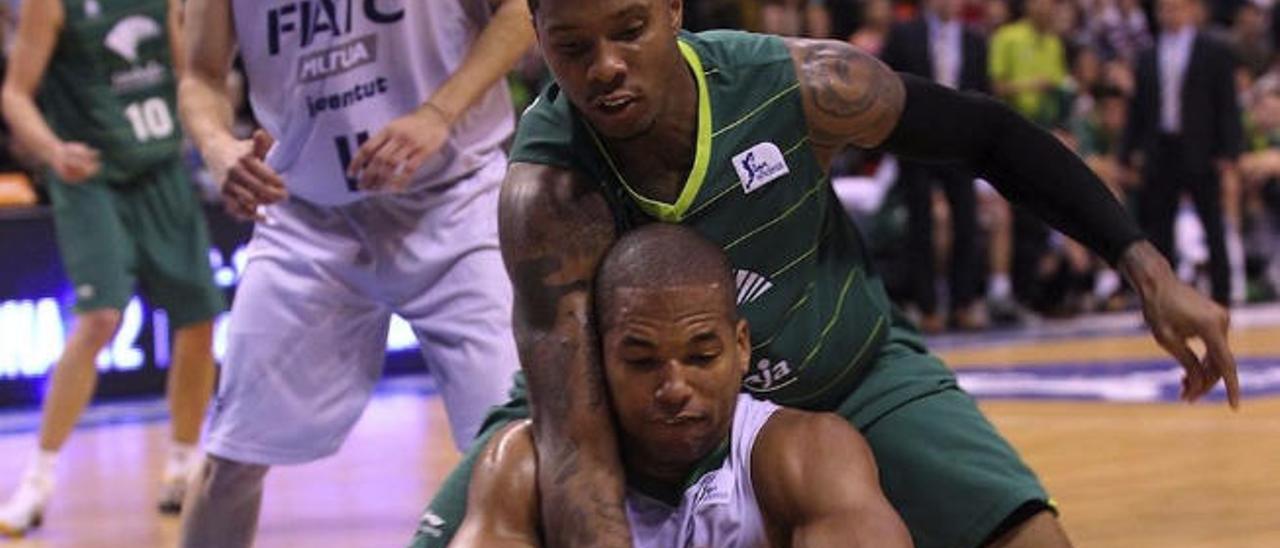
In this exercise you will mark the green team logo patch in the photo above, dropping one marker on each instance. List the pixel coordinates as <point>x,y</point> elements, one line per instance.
<point>126,40</point>
<point>128,35</point>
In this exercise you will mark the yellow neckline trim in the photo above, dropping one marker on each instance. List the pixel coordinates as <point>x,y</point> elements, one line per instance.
<point>666,212</point>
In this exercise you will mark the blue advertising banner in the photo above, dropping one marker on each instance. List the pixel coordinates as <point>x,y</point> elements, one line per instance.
<point>36,314</point>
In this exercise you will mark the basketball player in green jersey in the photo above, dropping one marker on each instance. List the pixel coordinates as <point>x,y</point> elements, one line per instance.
<point>730,134</point>
<point>706,464</point>
<point>106,130</point>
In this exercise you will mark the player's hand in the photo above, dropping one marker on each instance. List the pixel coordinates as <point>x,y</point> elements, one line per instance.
<point>389,159</point>
<point>75,162</point>
<point>244,179</point>
<point>1177,313</point>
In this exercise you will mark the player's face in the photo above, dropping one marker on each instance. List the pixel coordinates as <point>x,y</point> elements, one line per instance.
<point>612,58</point>
<point>674,362</point>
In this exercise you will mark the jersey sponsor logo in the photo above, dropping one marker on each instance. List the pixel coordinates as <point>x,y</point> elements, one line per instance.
<point>768,376</point>
<point>751,285</point>
<point>309,20</point>
<point>760,165</point>
<point>125,39</point>
<point>351,96</point>
<point>338,59</point>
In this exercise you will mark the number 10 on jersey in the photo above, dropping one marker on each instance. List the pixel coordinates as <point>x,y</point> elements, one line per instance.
<point>150,119</point>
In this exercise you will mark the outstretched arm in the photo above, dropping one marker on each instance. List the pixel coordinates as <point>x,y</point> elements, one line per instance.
<point>555,227</point>
<point>502,502</point>
<point>823,495</point>
<point>850,98</point>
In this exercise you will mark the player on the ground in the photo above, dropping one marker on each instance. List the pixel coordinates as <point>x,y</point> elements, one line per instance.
<point>376,175</point>
<point>106,129</point>
<point>705,465</point>
<point>730,133</point>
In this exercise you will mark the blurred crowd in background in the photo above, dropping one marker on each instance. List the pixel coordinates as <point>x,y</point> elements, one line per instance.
<point>1197,163</point>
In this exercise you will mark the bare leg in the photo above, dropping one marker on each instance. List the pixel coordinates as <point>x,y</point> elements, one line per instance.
<point>1001,238</point>
<point>190,385</point>
<point>72,382</point>
<point>222,505</point>
<point>70,388</point>
<point>190,381</point>
<point>1039,531</point>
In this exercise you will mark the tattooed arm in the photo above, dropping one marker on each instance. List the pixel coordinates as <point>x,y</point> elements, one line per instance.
<point>850,98</point>
<point>555,228</point>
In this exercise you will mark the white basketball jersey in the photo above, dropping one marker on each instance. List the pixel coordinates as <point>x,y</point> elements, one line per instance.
<point>719,510</point>
<point>325,75</point>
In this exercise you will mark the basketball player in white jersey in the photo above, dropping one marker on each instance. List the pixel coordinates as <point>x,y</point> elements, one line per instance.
<point>375,182</point>
<point>705,465</point>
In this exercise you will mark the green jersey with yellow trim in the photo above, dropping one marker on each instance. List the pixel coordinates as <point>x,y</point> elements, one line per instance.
<point>818,313</point>
<point>110,84</point>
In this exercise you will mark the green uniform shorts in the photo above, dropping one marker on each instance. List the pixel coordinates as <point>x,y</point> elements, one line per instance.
<point>150,232</point>
<point>943,466</point>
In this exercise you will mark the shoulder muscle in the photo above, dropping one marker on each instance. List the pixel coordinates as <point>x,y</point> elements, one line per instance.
<point>816,478</point>
<point>502,505</point>
<point>850,97</point>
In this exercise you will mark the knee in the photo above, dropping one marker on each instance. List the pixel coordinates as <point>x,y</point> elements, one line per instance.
<point>98,326</point>
<point>198,336</point>
<point>222,476</point>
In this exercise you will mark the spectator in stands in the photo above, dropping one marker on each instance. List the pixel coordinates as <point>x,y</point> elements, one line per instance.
<point>991,15</point>
<point>1249,41</point>
<point>1028,65</point>
<point>1260,174</point>
<point>1118,29</point>
<point>935,45</point>
<point>1184,133</point>
<point>877,17</point>
<point>712,14</point>
<point>1028,69</point>
<point>795,18</point>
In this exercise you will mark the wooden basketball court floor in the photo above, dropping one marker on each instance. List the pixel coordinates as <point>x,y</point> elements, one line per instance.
<point>1127,467</point>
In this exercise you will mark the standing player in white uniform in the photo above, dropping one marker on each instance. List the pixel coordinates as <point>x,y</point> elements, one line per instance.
<point>375,181</point>
<point>705,465</point>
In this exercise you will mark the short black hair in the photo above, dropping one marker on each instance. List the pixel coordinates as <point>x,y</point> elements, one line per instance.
<point>660,255</point>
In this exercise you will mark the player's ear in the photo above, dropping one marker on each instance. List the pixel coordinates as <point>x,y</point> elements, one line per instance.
<point>742,338</point>
<point>676,8</point>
